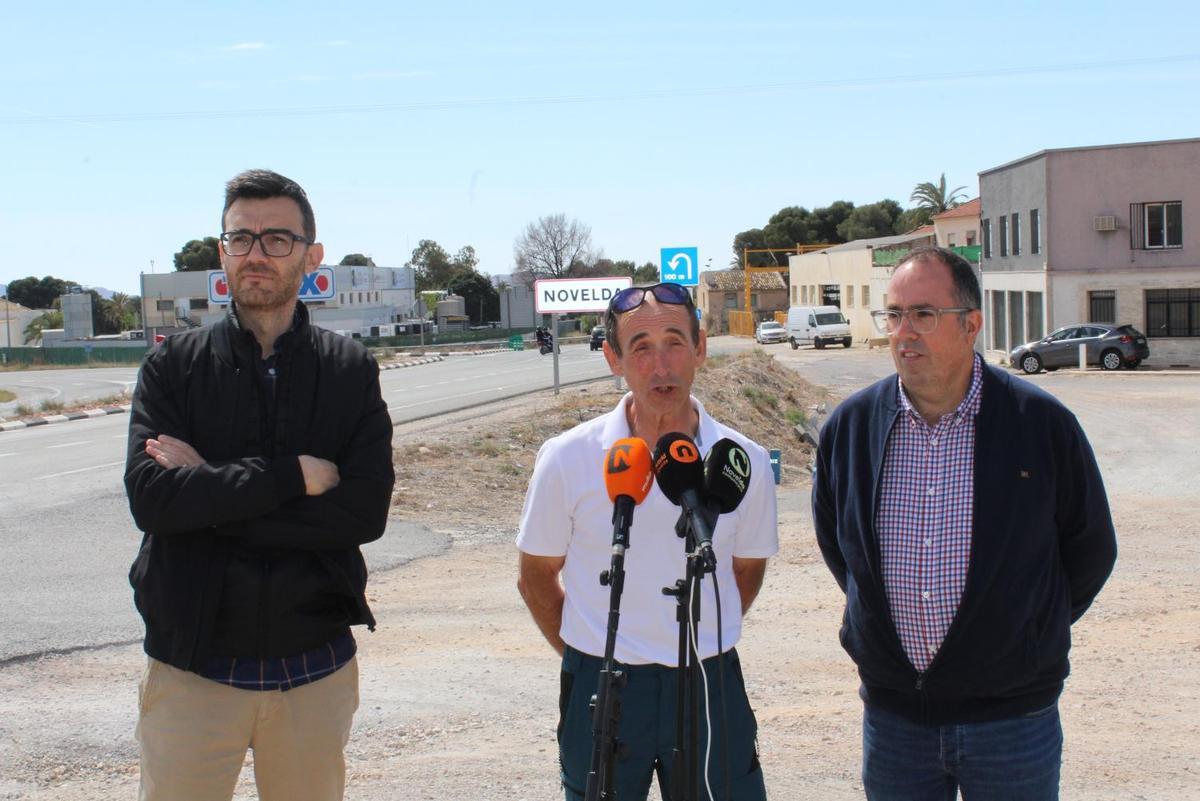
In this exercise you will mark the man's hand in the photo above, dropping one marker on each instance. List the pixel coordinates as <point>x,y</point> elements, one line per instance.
<point>537,581</point>
<point>320,475</point>
<point>171,452</point>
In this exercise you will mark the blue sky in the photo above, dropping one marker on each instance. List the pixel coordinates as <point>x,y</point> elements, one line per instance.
<point>658,125</point>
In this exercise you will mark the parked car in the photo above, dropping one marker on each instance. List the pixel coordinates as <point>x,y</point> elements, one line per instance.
<point>770,331</point>
<point>820,325</point>
<point>1110,346</point>
<point>597,341</point>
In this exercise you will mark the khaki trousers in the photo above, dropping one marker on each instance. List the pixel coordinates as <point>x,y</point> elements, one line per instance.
<point>194,733</point>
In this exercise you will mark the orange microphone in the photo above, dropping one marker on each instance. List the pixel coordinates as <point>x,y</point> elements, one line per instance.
<point>628,477</point>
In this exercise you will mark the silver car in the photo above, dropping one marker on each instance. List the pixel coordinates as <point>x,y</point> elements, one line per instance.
<point>770,331</point>
<point>1109,346</point>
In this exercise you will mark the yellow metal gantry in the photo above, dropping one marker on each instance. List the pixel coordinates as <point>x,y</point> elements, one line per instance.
<point>748,270</point>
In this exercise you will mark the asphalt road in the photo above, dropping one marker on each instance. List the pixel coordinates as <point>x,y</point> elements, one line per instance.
<point>65,528</point>
<point>32,387</point>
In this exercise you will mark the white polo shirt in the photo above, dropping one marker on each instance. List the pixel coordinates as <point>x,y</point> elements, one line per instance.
<point>568,513</point>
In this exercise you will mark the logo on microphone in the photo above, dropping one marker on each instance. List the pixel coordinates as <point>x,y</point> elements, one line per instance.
<point>740,462</point>
<point>618,458</point>
<point>684,451</point>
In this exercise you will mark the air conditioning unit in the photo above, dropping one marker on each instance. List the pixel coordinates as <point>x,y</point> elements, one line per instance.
<point>1105,223</point>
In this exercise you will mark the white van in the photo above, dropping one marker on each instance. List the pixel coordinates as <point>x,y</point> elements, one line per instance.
<point>820,325</point>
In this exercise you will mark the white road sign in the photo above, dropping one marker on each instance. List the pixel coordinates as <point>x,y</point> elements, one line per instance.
<point>566,295</point>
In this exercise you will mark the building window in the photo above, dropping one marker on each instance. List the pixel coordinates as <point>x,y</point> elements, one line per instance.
<point>754,300</point>
<point>831,295</point>
<point>970,239</point>
<point>1016,234</point>
<point>342,298</point>
<point>793,294</point>
<point>866,296</point>
<point>1033,303</point>
<point>1102,306</point>
<point>164,305</point>
<point>1173,312</point>
<point>199,304</point>
<point>950,240</point>
<point>987,239</point>
<point>1154,226</point>
<point>730,300</point>
<point>849,296</point>
<point>1003,236</point>
<point>1035,231</point>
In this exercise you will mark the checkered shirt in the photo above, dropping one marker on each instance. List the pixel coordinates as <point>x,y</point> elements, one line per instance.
<point>925,518</point>
<point>282,673</point>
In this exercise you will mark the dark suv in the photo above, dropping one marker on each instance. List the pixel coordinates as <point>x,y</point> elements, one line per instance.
<point>597,338</point>
<point>1110,346</point>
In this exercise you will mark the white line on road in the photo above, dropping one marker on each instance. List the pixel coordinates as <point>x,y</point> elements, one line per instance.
<point>80,470</point>
<point>68,444</point>
<point>10,453</point>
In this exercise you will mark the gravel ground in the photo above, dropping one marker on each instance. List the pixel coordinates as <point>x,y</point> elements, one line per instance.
<point>459,690</point>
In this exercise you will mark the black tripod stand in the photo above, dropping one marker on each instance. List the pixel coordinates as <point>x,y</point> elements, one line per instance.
<point>685,762</point>
<point>606,703</point>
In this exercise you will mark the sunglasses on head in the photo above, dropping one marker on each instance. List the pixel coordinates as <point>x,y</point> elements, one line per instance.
<point>629,299</point>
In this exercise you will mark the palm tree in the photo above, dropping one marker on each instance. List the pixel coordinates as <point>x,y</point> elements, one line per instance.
<point>45,320</point>
<point>935,197</point>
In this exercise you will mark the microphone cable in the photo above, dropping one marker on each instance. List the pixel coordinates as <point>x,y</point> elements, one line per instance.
<point>694,591</point>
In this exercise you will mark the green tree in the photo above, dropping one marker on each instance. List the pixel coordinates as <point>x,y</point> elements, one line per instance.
<point>34,293</point>
<point>43,322</point>
<point>356,260</point>
<point>935,197</point>
<point>912,219</point>
<point>788,227</point>
<point>481,298</point>
<point>824,222</point>
<point>871,221</point>
<point>753,238</point>
<point>198,255</point>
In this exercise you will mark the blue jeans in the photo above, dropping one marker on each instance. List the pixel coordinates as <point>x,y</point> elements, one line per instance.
<point>647,730</point>
<point>1002,760</point>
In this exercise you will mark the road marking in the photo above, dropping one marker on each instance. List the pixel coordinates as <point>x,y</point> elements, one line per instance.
<point>10,453</point>
<point>80,470</point>
<point>68,444</point>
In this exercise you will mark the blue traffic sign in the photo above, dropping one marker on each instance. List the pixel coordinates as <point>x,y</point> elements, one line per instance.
<point>680,265</point>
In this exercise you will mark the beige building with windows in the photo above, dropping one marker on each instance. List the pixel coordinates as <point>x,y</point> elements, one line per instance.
<point>959,226</point>
<point>720,291</point>
<point>852,276</point>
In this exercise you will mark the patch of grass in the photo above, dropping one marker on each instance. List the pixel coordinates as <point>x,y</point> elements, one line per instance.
<point>759,398</point>
<point>6,396</point>
<point>51,406</point>
<point>24,410</point>
<point>795,416</point>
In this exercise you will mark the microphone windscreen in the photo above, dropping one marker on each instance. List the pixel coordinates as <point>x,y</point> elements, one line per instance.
<point>628,470</point>
<point>677,466</point>
<point>726,474</point>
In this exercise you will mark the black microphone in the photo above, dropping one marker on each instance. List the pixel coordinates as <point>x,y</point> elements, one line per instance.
<point>680,476</point>
<point>726,475</point>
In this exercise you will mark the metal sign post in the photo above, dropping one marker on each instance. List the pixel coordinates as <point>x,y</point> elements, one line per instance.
<point>554,328</point>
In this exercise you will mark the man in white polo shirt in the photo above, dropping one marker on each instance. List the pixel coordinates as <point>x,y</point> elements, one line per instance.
<point>655,343</point>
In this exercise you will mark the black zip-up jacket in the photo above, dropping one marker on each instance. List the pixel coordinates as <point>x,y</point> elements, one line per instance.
<point>236,560</point>
<point>1042,546</point>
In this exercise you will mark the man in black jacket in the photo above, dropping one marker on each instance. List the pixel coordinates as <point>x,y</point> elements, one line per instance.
<point>962,512</point>
<point>259,461</point>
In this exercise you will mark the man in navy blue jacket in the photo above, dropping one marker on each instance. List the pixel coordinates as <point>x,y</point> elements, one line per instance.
<point>962,512</point>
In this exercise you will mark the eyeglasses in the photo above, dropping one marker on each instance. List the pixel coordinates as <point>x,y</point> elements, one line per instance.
<point>277,242</point>
<point>922,319</point>
<point>629,299</point>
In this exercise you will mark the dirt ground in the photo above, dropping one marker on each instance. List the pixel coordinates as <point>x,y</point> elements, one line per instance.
<point>459,690</point>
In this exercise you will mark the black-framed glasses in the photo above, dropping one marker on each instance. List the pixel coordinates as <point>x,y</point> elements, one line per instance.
<point>922,319</point>
<point>277,242</point>
<point>667,292</point>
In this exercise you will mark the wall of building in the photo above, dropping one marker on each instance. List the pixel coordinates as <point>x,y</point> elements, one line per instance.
<point>1105,181</point>
<point>1071,305</point>
<point>850,271</point>
<point>1018,188</point>
<point>957,231</point>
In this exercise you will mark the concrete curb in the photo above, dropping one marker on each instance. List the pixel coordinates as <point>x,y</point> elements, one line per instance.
<point>413,363</point>
<point>85,414</point>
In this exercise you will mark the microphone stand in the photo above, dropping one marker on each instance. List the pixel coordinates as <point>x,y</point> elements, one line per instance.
<point>685,762</point>
<point>606,703</point>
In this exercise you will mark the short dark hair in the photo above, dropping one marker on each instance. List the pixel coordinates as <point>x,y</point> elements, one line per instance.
<point>966,284</point>
<point>611,318</point>
<point>263,185</point>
